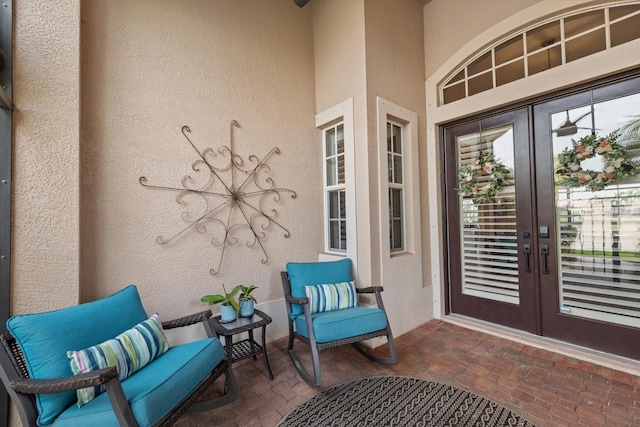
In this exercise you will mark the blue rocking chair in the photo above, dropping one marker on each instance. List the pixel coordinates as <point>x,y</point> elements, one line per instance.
<point>322,321</point>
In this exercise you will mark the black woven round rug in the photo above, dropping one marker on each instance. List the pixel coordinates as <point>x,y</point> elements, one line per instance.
<point>399,401</point>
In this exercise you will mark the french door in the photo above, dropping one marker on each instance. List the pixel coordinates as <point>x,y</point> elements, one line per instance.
<point>555,248</point>
<point>489,279</point>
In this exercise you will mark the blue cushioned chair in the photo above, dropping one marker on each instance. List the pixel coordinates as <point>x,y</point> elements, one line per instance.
<point>329,329</point>
<point>35,369</point>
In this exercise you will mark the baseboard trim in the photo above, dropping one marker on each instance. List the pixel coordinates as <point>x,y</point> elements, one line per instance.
<point>607,360</point>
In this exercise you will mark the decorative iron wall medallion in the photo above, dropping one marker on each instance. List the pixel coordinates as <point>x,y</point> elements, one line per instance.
<point>227,198</point>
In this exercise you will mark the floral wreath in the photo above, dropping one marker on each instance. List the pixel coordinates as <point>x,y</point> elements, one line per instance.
<point>467,187</point>
<point>617,164</point>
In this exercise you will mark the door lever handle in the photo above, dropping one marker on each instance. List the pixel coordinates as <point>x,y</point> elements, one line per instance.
<point>544,251</point>
<point>526,248</point>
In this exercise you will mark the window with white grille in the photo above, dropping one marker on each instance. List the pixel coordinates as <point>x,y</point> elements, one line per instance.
<point>396,187</point>
<point>546,45</point>
<point>335,188</point>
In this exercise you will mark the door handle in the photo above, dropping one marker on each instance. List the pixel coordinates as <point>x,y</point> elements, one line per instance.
<point>544,251</point>
<point>526,248</point>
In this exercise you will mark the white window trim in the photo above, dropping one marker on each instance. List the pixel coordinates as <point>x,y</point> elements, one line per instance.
<point>342,112</point>
<point>409,121</point>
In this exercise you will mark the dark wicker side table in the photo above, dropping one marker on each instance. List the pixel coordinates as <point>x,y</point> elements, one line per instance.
<point>248,347</point>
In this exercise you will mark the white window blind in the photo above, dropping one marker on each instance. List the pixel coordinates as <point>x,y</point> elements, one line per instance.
<point>600,253</point>
<point>489,249</point>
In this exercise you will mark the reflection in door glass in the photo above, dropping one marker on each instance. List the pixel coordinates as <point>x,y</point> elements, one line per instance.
<point>598,210</point>
<point>489,250</point>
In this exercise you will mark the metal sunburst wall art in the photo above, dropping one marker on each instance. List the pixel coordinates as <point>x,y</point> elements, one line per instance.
<point>228,198</point>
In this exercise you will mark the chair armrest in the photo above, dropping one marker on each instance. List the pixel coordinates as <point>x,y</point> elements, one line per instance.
<point>369,290</point>
<point>74,382</point>
<point>187,320</point>
<point>293,300</point>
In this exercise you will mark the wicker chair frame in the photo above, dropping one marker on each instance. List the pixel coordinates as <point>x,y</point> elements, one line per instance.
<point>315,379</point>
<point>22,389</point>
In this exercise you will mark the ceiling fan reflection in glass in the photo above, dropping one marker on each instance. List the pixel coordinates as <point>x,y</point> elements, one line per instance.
<point>570,127</point>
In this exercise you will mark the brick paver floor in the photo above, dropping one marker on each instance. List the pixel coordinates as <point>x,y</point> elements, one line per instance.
<point>548,389</point>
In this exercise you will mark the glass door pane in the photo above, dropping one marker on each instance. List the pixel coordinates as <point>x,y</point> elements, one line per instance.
<point>489,247</point>
<point>598,211</point>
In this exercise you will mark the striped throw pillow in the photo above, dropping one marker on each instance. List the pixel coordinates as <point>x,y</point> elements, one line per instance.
<point>331,296</point>
<point>128,352</point>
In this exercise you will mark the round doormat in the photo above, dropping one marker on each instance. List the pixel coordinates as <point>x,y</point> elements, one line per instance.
<point>399,401</point>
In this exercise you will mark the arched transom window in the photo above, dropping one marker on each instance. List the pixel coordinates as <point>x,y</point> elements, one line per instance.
<point>542,47</point>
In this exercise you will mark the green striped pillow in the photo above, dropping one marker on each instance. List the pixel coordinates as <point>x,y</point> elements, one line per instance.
<point>331,296</point>
<point>128,352</point>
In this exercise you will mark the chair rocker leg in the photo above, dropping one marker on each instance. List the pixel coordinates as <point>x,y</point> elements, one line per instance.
<point>314,380</point>
<point>230,394</point>
<point>393,355</point>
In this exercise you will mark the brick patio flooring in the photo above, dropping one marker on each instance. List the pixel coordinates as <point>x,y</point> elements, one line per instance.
<point>548,389</point>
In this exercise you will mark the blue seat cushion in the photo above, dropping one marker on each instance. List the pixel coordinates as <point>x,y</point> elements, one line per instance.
<point>153,390</point>
<point>340,324</point>
<point>302,274</point>
<point>45,339</point>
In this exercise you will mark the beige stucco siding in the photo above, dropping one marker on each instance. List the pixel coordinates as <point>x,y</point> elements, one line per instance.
<point>150,67</point>
<point>46,161</point>
<point>395,73</point>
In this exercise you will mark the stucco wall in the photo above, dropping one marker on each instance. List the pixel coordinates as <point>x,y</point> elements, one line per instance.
<point>395,72</point>
<point>46,146</point>
<point>339,51</point>
<point>364,50</point>
<point>341,74</point>
<point>150,67</point>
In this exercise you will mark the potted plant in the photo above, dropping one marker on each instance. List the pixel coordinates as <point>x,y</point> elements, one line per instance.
<point>229,308</point>
<point>247,300</point>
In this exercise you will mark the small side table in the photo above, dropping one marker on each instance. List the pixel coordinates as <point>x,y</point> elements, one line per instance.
<point>248,347</point>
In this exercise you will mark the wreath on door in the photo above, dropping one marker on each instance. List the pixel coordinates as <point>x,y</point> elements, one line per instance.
<point>616,163</point>
<point>468,185</point>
